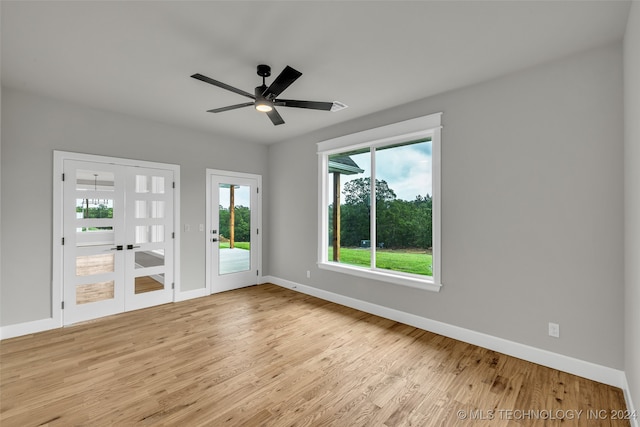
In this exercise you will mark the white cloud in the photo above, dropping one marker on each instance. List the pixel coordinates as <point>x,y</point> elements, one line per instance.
<point>241,196</point>
<point>407,169</point>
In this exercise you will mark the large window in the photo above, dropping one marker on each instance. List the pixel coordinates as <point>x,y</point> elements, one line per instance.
<point>379,203</point>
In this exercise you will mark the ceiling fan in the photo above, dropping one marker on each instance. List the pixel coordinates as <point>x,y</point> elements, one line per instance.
<point>265,99</point>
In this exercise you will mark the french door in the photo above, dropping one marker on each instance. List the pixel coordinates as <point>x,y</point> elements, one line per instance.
<point>233,221</point>
<point>117,238</point>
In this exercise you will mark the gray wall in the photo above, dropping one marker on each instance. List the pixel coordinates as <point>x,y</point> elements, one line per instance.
<point>532,208</point>
<point>34,126</point>
<point>632,201</point>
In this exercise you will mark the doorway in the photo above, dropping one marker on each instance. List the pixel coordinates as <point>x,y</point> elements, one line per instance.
<point>233,222</point>
<point>118,239</point>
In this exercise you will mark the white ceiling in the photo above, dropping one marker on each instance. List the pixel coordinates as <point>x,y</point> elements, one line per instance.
<point>136,57</point>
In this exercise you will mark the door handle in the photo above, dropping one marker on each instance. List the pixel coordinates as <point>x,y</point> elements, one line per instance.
<point>131,246</point>
<point>117,248</point>
<point>214,239</point>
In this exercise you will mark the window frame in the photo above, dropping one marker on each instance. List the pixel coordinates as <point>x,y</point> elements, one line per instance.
<point>395,133</point>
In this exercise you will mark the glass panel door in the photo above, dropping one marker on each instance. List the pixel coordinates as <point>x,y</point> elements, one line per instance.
<point>149,242</point>
<point>93,223</point>
<point>233,232</point>
<point>234,241</point>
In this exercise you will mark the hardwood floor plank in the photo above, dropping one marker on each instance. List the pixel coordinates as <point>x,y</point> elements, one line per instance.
<point>268,356</point>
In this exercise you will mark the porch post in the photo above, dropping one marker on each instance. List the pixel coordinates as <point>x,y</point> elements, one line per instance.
<point>232,216</point>
<point>336,216</point>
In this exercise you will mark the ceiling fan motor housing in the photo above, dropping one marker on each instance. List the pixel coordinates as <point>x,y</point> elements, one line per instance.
<point>259,90</point>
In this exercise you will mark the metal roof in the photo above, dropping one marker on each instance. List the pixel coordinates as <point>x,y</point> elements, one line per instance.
<point>344,165</point>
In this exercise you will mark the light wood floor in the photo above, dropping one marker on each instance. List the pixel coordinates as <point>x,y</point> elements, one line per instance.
<point>270,356</point>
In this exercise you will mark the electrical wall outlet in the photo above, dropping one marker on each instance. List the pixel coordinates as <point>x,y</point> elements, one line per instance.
<point>308,274</point>
<point>554,330</point>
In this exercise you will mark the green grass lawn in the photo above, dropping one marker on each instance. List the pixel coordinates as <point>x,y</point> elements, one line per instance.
<point>396,260</point>
<point>238,245</point>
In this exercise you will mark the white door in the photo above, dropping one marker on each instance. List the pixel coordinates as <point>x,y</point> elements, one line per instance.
<point>94,232</point>
<point>234,232</point>
<point>117,239</point>
<point>149,243</point>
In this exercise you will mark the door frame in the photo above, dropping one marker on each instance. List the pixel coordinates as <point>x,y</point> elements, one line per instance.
<point>209,225</point>
<point>57,264</point>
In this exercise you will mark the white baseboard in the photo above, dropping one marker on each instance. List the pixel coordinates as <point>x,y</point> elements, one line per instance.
<point>26,328</point>
<point>547,358</point>
<point>635,422</point>
<point>32,327</point>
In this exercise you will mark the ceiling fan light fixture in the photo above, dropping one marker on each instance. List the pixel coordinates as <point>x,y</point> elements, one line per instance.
<point>264,106</point>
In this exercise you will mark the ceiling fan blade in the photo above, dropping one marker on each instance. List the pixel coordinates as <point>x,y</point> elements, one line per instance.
<point>314,105</point>
<point>222,85</point>
<point>275,117</point>
<point>230,107</point>
<point>283,81</point>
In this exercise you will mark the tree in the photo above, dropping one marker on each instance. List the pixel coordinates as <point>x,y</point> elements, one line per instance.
<point>358,191</point>
<point>99,211</point>
<point>242,223</point>
<point>399,223</point>
<point>405,224</point>
<point>424,224</point>
<point>355,212</point>
<point>354,224</point>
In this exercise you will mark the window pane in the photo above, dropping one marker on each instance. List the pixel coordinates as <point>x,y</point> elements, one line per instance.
<point>94,208</point>
<point>149,284</point>
<point>149,233</point>
<point>88,265</point>
<point>95,236</point>
<point>97,229</point>
<point>349,196</point>
<point>149,209</point>
<point>149,184</point>
<point>235,228</point>
<point>145,259</point>
<point>403,208</point>
<point>94,292</point>
<point>90,180</point>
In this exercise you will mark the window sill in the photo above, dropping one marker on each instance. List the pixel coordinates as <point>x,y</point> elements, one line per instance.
<point>397,279</point>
